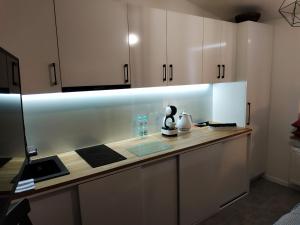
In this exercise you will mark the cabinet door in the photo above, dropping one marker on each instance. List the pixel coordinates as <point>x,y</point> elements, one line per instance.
<point>3,74</point>
<point>233,176</point>
<point>184,48</point>
<point>199,171</point>
<point>160,193</point>
<point>93,42</point>
<point>28,31</point>
<point>148,48</point>
<point>112,200</point>
<point>61,207</point>
<point>212,50</point>
<point>228,51</point>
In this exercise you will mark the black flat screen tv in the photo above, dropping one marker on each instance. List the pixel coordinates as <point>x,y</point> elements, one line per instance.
<point>12,131</point>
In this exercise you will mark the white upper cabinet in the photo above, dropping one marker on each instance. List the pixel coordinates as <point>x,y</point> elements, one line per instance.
<point>165,47</point>
<point>228,51</point>
<point>219,51</point>
<point>148,50</point>
<point>93,42</point>
<point>28,31</point>
<point>184,48</point>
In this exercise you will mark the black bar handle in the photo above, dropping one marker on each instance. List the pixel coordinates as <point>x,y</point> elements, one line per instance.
<point>249,113</point>
<point>223,75</point>
<point>53,65</point>
<point>219,67</point>
<point>171,72</point>
<point>126,78</point>
<point>14,82</point>
<point>164,72</point>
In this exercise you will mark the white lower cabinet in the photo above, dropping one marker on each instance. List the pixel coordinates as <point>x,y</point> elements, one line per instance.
<point>233,174</point>
<point>198,184</point>
<point>61,207</point>
<point>160,198</point>
<point>112,200</point>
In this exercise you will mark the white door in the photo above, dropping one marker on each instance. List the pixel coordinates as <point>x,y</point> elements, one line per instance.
<point>28,31</point>
<point>198,176</point>
<point>93,42</point>
<point>184,48</point>
<point>228,51</point>
<point>160,192</point>
<point>233,179</point>
<point>147,41</point>
<point>112,200</point>
<point>212,65</point>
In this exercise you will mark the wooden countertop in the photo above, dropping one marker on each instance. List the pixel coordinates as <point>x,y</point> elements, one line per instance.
<point>81,172</point>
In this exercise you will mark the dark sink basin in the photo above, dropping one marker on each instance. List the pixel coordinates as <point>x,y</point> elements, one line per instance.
<point>44,169</point>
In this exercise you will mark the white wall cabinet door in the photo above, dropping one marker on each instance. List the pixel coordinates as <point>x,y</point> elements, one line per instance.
<point>93,42</point>
<point>219,54</point>
<point>160,198</point>
<point>112,200</point>
<point>199,172</point>
<point>233,179</point>
<point>184,48</point>
<point>148,48</point>
<point>212,50</point>
<point>28,31</point>
<point>228,51</point>
<point>61,207</point>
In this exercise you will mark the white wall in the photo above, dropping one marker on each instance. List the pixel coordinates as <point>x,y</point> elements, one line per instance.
<point>183,6</point>
<point>285,97</point>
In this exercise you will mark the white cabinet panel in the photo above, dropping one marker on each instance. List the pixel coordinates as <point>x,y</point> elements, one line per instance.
<point>211,50</point>
<point>93,42</point>
<point>61,207</point>
<point>233,178</point>
<point>148,33</point>
<point>254,64</point>
<point>219,54</point>
<point>28,31</point>
<point>199,172</point>
<point>160,192</point>
<point>112,200</point>
<point>228,51</point>
<point>184,48</point>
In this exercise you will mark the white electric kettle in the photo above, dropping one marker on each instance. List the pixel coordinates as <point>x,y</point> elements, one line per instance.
<point>184,122</point>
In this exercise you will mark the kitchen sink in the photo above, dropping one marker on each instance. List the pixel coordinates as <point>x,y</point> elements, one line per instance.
<point>44,169</point>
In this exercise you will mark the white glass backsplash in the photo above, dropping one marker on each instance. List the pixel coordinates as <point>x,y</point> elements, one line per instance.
<point>61,122</point>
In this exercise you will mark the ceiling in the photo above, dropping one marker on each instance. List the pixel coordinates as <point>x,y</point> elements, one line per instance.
<point>227,9</point>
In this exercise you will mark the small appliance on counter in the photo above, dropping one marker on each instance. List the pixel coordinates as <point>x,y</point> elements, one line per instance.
<point>169,125</point>
<point>184,123</point>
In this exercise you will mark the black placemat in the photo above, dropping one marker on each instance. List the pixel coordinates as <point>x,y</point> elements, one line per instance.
<point>99,155</point>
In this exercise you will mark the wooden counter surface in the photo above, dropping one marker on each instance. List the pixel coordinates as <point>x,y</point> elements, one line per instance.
<point>81,172</point>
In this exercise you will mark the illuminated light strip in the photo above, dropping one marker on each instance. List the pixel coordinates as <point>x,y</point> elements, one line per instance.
<point>118,93</point>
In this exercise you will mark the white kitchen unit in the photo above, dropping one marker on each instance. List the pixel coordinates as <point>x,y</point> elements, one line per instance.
<point>212,177</point>
<point>61,207</point>
<point>148,48</point>
<point>28,31</point>
<point>198,175</point>
<point>93,42</point>
<point>112,200</point>
<point>232,180</point>
<point>184,48</point>
<point>165,47</point>
<point>219,51</point>
<point>160,198</point>
<point>254,64</point>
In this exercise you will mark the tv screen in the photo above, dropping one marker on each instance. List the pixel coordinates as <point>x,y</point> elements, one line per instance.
<point>12,133</point>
